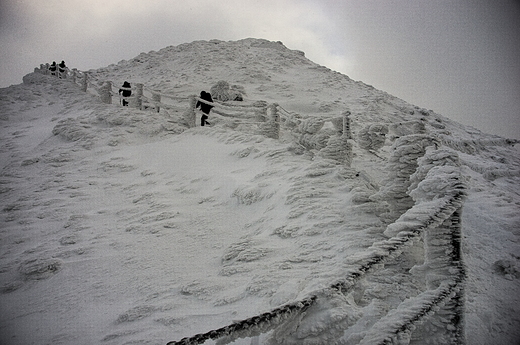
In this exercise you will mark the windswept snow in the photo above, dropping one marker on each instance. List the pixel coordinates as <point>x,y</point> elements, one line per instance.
<point>121,226</point>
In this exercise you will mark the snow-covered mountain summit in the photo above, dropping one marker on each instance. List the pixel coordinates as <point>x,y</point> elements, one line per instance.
<point>122,225</point>
<point>269,71</point>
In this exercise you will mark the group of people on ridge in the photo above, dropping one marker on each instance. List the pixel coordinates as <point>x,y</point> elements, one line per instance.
<point>61,68</point>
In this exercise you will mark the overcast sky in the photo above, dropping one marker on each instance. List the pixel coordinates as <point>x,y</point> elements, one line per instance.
<point>460,58</point>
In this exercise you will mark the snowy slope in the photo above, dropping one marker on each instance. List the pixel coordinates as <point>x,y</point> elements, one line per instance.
<point>123,226</point>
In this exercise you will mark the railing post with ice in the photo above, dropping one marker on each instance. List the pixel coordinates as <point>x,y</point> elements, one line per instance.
<point>272,128</point>
<point>444,262</point>
<point>139,96</point>
<point>346,125</point>
<point>105,92</point>
<point>74,75</point>
<point>156,98</point>
<point>84,82</point>
<point>261,112</point>
<point>190,115</point>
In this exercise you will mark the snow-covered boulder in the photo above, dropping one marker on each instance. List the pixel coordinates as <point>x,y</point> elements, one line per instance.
<point>338,148</point>
<point>433,158</point>
<point>222,91</point>
<point>315,141</point>
<point>311,125</point>
<point>439,182</point>
<point>401,165</point>
<point>372,137</point>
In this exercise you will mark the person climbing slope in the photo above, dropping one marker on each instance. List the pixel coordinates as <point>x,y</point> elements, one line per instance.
<point>61,69</point>
<point>205,108</point>
<point>125,93</point>
<point>52,68</point>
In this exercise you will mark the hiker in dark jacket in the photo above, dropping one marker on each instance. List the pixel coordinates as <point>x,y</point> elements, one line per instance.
<point>61,68</point>
<point>125,93</point>
<point>205,108</point>
<point>52,68</point>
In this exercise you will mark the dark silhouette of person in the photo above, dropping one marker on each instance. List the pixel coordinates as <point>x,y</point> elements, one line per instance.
<point>205,108</point>
<point>52,68</point>
<point>61,68</point>
<point>125,93</point>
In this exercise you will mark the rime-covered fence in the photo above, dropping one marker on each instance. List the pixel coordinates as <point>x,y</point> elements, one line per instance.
<point>266,119</point>
<point>436,217</point>
<point>430,185</point>
<point>259,113</point>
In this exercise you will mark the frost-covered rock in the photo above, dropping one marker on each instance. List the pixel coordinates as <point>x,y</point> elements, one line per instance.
<point>338,148</point>
<point>315,141</point>
<point>311,125</point>
<point>401,165</point>
<point>407,128</point>
<point>372,137</point>
<point>439,182</point>
<point>433,158</point>
<point>222,91</point>
<point>33,78</point>
<point>507,268</point>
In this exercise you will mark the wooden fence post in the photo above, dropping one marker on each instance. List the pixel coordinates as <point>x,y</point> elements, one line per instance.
<point>261,111</point>
<point>156,98</point>
<point>74,75</point>
<point>190,117</point>
<point>275,119</point>
<point>139,96</point>
<point>84,82</point>
<point>271,129</point>
<point>440,264</point>
<point>105,92</point>
<point>346,125</point>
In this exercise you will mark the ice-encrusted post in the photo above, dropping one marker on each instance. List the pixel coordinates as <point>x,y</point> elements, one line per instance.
<point>139,96</point>
<point>105,92</point>
<point>156,98</point>
<point>400,166</point>
<point>346,125</point>
<point>443,264</point>
<point>272,128</point>
<point>84,82</point>
<point>339,146</point>
<point>261,111</point>
<point>455,307</point>
<point>74,75</point>
<point>190,116</point>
